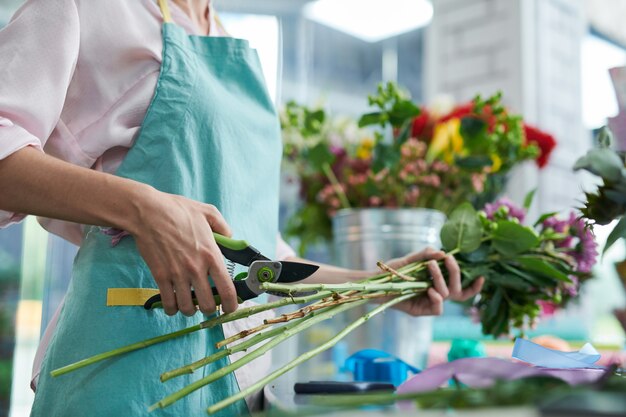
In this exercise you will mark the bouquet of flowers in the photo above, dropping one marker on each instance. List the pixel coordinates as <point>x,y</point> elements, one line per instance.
<point>403,155</point>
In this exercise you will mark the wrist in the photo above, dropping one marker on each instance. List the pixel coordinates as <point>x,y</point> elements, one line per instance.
<point>140,202</point>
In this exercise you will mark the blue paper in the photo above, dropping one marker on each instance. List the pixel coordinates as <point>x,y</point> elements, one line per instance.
<point>527,351</point>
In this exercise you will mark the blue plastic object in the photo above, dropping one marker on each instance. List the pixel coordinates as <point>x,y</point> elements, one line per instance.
<point>372,365</point>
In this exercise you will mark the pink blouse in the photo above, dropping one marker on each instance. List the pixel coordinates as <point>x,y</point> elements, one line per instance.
<point>76,79</point>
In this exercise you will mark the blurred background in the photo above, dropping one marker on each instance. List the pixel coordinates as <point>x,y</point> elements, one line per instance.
<point>551,59</point>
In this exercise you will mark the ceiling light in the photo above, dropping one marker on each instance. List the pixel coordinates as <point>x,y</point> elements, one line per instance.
<point>371,20</point>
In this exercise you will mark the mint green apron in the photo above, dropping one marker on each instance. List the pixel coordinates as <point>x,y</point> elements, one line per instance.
<point>211,134</point>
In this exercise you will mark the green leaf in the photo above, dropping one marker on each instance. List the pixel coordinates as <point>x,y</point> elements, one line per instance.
<point>541,266</point>
<point>536,281</point>
<point>479,255</point>
<point>618,232</point>
<point>512,238</point>
<point>320,155</point>
<point>545,217</point>
<point>463,230</point>
<point>403,111</point>
<point>528,200</point>
<point>493,305</point>
<point>371,119</point>
<point>605,137</point>
<point>473,131</point>
<point>511,281</point>
<point>602,162</point>
<point>471,272</point>
<point>405,132</point>
<point>474,162</point>
<point>385,156</point>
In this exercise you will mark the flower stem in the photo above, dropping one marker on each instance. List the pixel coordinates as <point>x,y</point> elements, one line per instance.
<point>319,316</point>
<point>207,324</point>
<point>336,186</point>
<point>306,356</point>
<point>366,287</point>
<point>241,335</point>
<point>258,338</point>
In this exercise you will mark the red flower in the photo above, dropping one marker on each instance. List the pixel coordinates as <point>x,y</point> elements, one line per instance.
<point>544,141</point>
<point>419,123</point>
<point>467,110</point>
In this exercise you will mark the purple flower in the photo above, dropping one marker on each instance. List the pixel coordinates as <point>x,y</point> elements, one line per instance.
<point>585,250</point>
<point>578,239</point>
<point>513,210</point>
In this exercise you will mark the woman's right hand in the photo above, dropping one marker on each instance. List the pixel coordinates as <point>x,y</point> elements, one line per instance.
<point>174,235</point>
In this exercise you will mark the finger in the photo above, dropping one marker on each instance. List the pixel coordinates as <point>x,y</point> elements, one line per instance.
<point>473,289</point>
<point>223,283</point>
<point>183,298</point>
<point>454,276</point>
<point>436,302</point>
<point>438,281</point>
<point>216,221</point>
<point>168,299</point>
<point>204,294</point>
<point>428,253</point>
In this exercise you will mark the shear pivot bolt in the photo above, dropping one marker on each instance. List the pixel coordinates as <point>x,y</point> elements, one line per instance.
<point>265,274</point>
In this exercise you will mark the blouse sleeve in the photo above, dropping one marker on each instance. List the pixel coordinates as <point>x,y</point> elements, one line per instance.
<point>283,250</point>
<point>38,54</point>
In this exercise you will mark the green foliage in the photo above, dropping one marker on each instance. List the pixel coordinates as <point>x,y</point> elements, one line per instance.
<point>463,231</point>
<point>528,199</point>
<point>320,155</point>
<point>608,202</point>
<point>512,238</point>
<point>396,107</point>
<point>521,265</point>
<point>618,232</point>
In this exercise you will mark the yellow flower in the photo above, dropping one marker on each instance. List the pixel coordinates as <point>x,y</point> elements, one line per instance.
<point>364,150</point>
<point>447,140</point>
<point>496,162</point>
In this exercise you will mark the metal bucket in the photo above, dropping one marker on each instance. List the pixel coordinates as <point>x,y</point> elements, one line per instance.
<point>364,236</point>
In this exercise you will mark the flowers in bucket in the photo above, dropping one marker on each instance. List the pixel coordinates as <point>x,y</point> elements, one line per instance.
<point>402,155</point>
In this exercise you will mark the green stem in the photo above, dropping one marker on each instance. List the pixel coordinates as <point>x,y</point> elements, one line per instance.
<point>306,356</point>
<point>349,286</point>
<point>258,338</point>
<point>207,324</point>
<point>135,346</point>
<point>336,186</point>
<point>319,315</point>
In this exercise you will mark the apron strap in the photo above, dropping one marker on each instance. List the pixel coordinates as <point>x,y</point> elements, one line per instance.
<point>217,20</point>
<point>165,11</point>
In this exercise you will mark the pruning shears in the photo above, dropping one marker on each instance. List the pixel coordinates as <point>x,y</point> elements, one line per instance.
<point>260,269</point>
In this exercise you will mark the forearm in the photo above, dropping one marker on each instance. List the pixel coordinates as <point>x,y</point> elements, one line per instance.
<point>329,274</point>
<point>34,183</point>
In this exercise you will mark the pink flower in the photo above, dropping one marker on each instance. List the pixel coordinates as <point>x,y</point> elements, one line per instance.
<point>478,182</point>
<point>375,201</point>
<point>440,166</point>
<point>513,210</point>
<point>547,308</point>
<point>412,196</point>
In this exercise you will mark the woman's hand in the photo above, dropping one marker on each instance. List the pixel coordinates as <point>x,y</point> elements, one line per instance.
<point>173,234</point>
<point>432,302</point>
<point>175,238</point>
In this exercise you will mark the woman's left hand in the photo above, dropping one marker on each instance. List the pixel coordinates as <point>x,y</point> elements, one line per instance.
<point>432,302</point>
